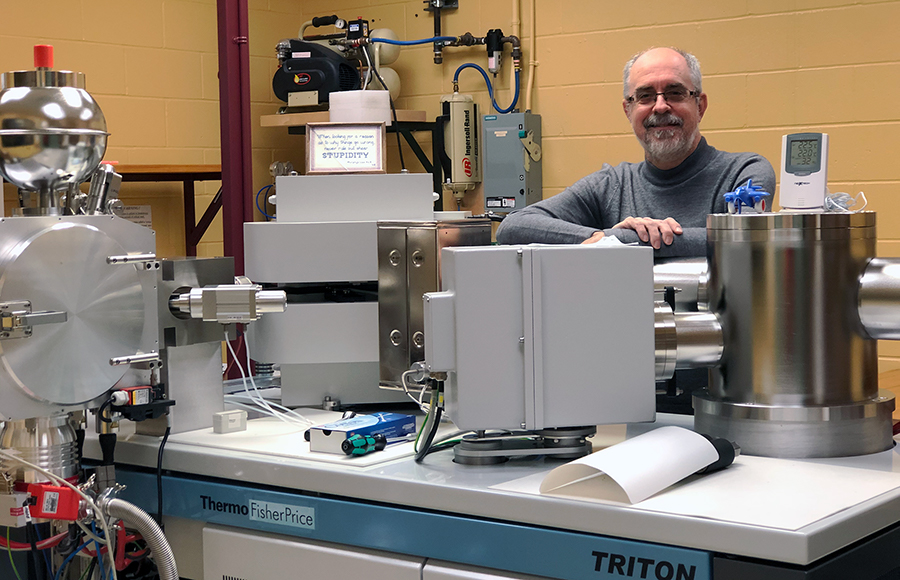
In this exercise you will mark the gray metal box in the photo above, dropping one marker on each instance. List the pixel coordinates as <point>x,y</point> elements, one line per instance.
<point>534,337</point>
<point>512,174</point>
<point>346,198</point>
<point>408,267</point>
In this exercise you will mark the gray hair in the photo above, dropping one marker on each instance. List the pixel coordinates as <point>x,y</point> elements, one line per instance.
<point>691,60</point>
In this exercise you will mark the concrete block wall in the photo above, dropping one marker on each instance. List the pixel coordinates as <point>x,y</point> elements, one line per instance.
<point>770,68</point>
<point>152,67</point>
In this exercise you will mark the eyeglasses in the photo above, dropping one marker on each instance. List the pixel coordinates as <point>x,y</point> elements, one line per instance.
<point>675,95</point>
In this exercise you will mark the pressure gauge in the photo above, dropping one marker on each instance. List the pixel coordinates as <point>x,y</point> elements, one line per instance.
<point>804,171</point>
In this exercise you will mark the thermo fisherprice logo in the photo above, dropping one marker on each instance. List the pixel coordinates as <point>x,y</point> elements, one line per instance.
<point>264,511</point>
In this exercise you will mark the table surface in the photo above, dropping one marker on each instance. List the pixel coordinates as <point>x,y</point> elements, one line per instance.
<point>166,170</point>
<point>830,517</point>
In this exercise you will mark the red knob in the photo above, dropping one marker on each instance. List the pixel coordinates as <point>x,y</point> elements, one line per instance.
<point>43,56</point>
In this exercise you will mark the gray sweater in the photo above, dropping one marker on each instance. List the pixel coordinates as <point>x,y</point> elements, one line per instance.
<point>687,193</point>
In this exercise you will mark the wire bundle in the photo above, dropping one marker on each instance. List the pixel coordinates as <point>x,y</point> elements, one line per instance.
<point>91,504</point>
<point>252,399</point>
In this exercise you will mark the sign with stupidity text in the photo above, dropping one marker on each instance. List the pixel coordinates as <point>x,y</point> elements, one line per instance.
<point>345,148</point>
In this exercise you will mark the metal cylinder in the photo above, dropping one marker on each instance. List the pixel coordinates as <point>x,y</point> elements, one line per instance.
<point>270,301</point>
<point>879,299</point>
<point>798,376</point>
<point>665,338</point>
<point>699,342</point>
<point>689,277</point>
<point>685,340</point>
<point>48,442</point>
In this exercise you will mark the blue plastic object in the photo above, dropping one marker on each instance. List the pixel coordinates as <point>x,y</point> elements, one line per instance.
<point>748,195</point>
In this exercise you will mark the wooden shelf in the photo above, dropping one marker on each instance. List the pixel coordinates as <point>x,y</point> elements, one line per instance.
<point>300,119</point>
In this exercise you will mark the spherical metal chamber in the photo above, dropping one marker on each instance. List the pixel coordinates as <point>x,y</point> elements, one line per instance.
<point>48,442</point>
<point>52,132</point>
<point>798,375</point>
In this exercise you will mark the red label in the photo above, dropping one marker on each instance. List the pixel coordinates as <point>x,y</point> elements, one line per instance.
<point>301,79</point>
<point>467,167</point>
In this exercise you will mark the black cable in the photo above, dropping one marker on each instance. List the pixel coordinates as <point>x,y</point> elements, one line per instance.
<point>420,455</point>
<point>442,446</point>
<point>39,564</point>
<point>102,408</point>
<point>90,573</point>
<point>37,534</point>
<point>394,111</point>
<point>159,487</point>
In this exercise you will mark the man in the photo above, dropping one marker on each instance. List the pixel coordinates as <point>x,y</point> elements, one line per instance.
<point>664,200</point>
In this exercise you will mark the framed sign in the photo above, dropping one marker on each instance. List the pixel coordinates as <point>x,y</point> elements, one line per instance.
<point>345,148</point>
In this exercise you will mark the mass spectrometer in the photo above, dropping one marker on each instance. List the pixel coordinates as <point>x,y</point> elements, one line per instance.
<point>91,319</point>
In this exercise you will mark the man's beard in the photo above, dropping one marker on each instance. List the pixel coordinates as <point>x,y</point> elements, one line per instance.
<point>665,146</point>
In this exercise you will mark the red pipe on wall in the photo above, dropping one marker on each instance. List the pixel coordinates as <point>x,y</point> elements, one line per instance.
<point>234,114</point>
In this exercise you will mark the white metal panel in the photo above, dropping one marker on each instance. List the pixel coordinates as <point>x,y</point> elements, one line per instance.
<point>596,335</point>
<point>437,570</point>
<point>322,332</point>
<point>261,556</point>
<point>339,198</point>
<point>349,383</point>
<point>486,391</point>
<point>440,328</point>
<point>186,539</point>
<point>277,252</point>
<point>550,336</point>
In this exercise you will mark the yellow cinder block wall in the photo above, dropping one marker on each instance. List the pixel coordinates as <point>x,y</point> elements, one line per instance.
<point>152,67</point>
<point>770,67</point>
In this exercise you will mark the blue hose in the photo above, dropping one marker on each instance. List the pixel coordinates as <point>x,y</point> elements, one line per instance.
<point>514,101</point>
<point>261,210</point>
<point>411,42</point>
<point>490,88</point>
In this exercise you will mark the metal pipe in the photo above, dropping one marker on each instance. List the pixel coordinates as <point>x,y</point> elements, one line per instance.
<point>103,181</point>
<point>689,276</point>
<point>269,301</point>
<point>685,340</point>
<point>879,298</point>
<point>140,520</point>
<point>666,340</point>
<point>699,340</point>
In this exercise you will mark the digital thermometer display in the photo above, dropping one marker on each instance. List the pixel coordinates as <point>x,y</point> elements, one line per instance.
<point>805,153</point>
<point>804,171</point>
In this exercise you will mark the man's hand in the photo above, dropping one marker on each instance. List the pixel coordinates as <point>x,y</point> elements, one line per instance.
<point>595,237</point>
<point>657,232</point>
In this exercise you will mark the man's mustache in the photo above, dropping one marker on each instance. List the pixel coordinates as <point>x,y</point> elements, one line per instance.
<point>655,120</point>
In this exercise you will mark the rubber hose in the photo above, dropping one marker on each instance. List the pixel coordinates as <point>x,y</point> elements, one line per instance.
<point>140,520</point>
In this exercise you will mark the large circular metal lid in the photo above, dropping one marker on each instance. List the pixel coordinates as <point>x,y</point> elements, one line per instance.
<point>790,220</point>
<point>63,268</point>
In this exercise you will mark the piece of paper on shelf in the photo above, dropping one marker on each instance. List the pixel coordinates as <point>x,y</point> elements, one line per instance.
<point>635,469</point>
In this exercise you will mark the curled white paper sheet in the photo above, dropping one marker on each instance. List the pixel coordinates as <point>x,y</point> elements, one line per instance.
<point>635,469</point>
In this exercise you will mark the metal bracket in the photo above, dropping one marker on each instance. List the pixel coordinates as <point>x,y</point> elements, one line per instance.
<point>151,357</point>
<point>532,149</point>
<point>131,259</point>
<point>430,5</point>
<point>17,319</point>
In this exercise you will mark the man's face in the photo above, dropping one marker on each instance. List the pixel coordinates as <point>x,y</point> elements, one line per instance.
<point>669,131</point>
